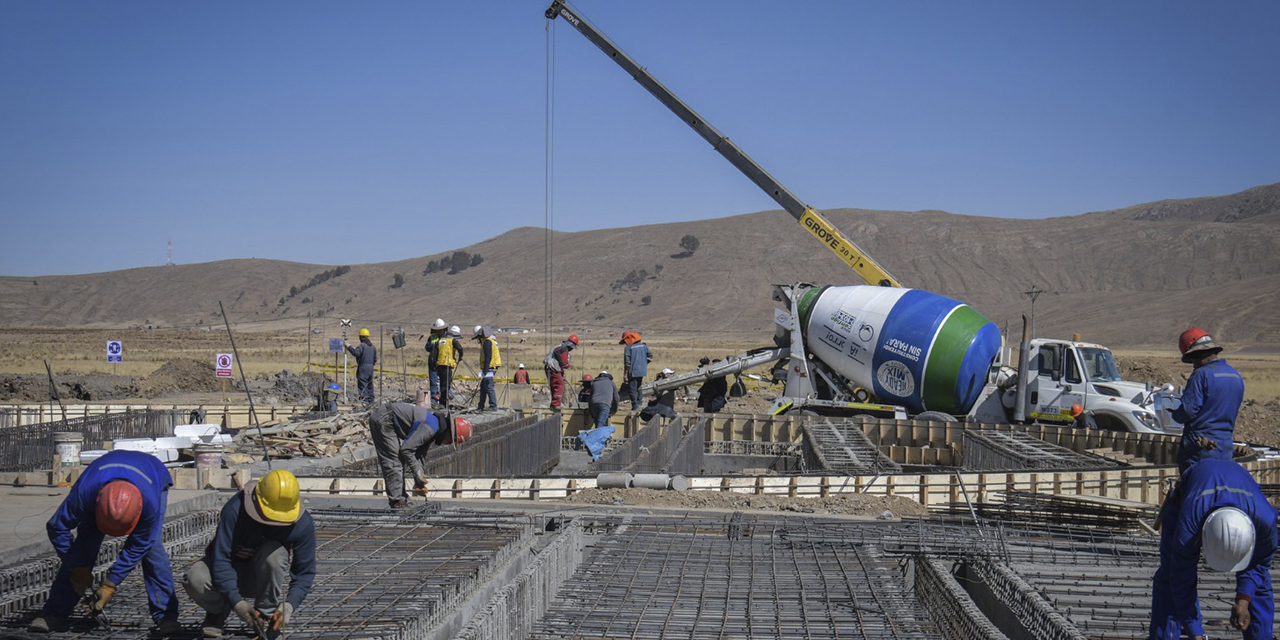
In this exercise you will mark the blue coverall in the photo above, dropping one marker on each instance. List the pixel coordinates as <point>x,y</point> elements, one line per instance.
<point>1208,485</point>
<point>237,538</point>
<point>144,545</point>
<point>366,357</point>
<point>635,364</point>
<point>1210,404</point>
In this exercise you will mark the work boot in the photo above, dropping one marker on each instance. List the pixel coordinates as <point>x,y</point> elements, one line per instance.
<point>46,622</point>
<point>213,623</point>
<point>401,502</point>
<point>169,627</point>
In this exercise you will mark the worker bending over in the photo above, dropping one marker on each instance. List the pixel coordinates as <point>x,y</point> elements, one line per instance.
<point>1219,509</point>
<point>262,533</point>
<point>1210,402</point>
<point>555,364</point>
<point>123,493</point>
<point>402,434</point>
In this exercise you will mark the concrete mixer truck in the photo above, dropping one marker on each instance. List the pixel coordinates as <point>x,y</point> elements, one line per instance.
<point>881,349</point>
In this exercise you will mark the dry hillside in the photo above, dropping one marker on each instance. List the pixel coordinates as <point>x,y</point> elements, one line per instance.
<point>1128,277</point>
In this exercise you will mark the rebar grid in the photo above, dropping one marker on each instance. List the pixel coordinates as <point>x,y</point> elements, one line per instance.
<point>687,456</point>
<point>842,447</point>
<point>957,616</point>
<point>989,449</point>
<point>703,578</point>
<point>648,450</point>
<point>380,579</point>
<point>1051,509</point>
<point>30,447</point>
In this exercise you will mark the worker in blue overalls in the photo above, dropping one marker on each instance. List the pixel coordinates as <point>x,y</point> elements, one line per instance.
<point>1210,402</point>
<point>1221,511</point>
<point>123,493</point>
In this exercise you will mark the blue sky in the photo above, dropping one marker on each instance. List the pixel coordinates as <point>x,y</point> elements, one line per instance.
<point>344,132</point>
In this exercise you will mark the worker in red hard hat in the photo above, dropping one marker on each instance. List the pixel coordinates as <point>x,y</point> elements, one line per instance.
<point>1210,402</point>
<point>1083,419</point>
<point>123,493</point>
<point>555,365</point>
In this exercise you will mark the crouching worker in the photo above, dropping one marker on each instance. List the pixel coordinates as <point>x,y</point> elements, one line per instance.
<point>262,533</point>
<point>1218,509</point>
<point>123,493</point>
<point>402,434</point>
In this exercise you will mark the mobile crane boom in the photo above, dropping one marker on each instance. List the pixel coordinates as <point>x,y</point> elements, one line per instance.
<point>813,222</point>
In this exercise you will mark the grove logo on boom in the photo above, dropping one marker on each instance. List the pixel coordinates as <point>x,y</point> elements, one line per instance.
<point>896,378</point>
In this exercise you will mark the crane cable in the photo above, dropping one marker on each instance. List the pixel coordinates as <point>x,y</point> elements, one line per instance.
<point>548,195</point>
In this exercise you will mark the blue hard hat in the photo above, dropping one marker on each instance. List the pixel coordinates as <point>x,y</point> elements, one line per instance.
<point>334,386</point>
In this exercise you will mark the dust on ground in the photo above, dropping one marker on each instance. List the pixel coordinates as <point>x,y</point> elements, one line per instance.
<point>844,504</point>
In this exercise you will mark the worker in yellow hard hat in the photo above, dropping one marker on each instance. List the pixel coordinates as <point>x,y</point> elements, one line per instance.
<point>262,532</point>
<point>366,358</point>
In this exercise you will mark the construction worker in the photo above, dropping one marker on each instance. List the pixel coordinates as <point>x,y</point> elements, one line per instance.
<point>123,493</point>
<point>711,395</point>
<point>664,404</point>
<point>1083,419</point>
<point>263,532</point>
<point>438,330</point>
<point>521,376</point>
<point>636,357</point>
<point>402,434</point>
<point>1219,509</point>
<point>449,354</point>
<point>490,360</point>
<point>1210,402</point>
<point>366,358</point>
<point>555,364</point>
<point>584,392</point>
<point>604,398</point>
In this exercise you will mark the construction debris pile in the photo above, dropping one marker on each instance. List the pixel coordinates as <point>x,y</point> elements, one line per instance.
<point>319,438</point>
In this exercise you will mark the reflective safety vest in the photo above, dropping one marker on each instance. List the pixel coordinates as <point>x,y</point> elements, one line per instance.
<point>495,360</point>
<point>446,358</point>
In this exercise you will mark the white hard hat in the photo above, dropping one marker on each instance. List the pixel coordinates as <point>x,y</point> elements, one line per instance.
<point>603,373</point>
<point>455,331</point>
<point>521,365</point>
<point>478,330</point>
<point>1227,537</point>
<point>668,372</point>
<point>438,324</point>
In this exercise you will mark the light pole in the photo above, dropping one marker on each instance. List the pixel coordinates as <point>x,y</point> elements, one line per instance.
<point>1033,293</point>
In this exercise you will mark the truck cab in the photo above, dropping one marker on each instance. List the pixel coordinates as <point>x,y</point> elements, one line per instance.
<point>1062,373</point>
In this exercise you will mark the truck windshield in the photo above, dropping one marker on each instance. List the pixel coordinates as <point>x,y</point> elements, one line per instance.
<point>1099,365</point>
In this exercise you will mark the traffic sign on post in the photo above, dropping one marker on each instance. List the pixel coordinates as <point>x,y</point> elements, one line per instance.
<point>223,364</point>
<point>115,351</point>
<point>335,345</point>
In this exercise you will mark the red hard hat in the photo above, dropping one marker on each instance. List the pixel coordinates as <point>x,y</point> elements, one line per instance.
<point>461,430</point>
<point>573,339</point>
<point>1195,340</point>
<point>1076,410</point>
<point>118,508</point>
<point>586,377</point>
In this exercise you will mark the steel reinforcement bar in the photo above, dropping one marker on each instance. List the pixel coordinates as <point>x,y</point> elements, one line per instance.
<point>991,449</point>
<point>647,450</point>
<point>687,456</point>
<point>522,446</point>
<point>512,612</point>
<point>957,616</point>
<point>30,447</point>
<point>842,447</point>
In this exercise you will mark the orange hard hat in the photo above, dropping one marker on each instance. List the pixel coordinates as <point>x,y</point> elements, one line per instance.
<point>1076,410</point>
<point>573,339</point>
<point>1196,340</point>
<point>118,508</point>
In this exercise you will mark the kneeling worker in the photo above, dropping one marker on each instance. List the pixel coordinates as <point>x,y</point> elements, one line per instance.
<point>123,493</point>
<point>402,434</point>
<point>1220,509</point>
<point>258,530</point>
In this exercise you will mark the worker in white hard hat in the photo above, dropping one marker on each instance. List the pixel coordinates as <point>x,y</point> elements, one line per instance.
<point>449,355</point>
<point>1220,510</point>
<point>438,330</point>
<point>521,376</point>
<point>1210,402</point>
<point>366,359</point>
<point>490,360</point>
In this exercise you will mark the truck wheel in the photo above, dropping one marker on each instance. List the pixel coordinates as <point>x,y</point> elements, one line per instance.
<point>935,416</point>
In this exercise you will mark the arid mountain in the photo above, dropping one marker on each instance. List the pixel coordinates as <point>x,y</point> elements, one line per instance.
<point>1129,277</point>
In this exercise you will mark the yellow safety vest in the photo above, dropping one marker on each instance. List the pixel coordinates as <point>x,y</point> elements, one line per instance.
<point>495,362</point>
<point>446,357</point>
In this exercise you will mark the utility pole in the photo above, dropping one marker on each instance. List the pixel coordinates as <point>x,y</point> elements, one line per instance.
<point>1033,293</point>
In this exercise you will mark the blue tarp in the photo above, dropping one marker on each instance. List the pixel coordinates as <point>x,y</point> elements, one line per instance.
<point>594,440</point>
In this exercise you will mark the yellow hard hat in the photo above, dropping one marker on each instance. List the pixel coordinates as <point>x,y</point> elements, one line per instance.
<point>364,333</point>
<point>277,497</point>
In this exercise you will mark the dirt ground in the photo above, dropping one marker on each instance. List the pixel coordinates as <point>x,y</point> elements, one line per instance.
<point>857,504</point>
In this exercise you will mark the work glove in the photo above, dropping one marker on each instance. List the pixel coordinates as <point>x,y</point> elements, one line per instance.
<point>103,595</point>
<point>81,580</point>
<point>281,617</point>
<point>245,611</point>
<point>1240,616</point>
<point>1206,443</point>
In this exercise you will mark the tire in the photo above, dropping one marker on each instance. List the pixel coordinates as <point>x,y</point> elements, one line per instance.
<point>935,416</point>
